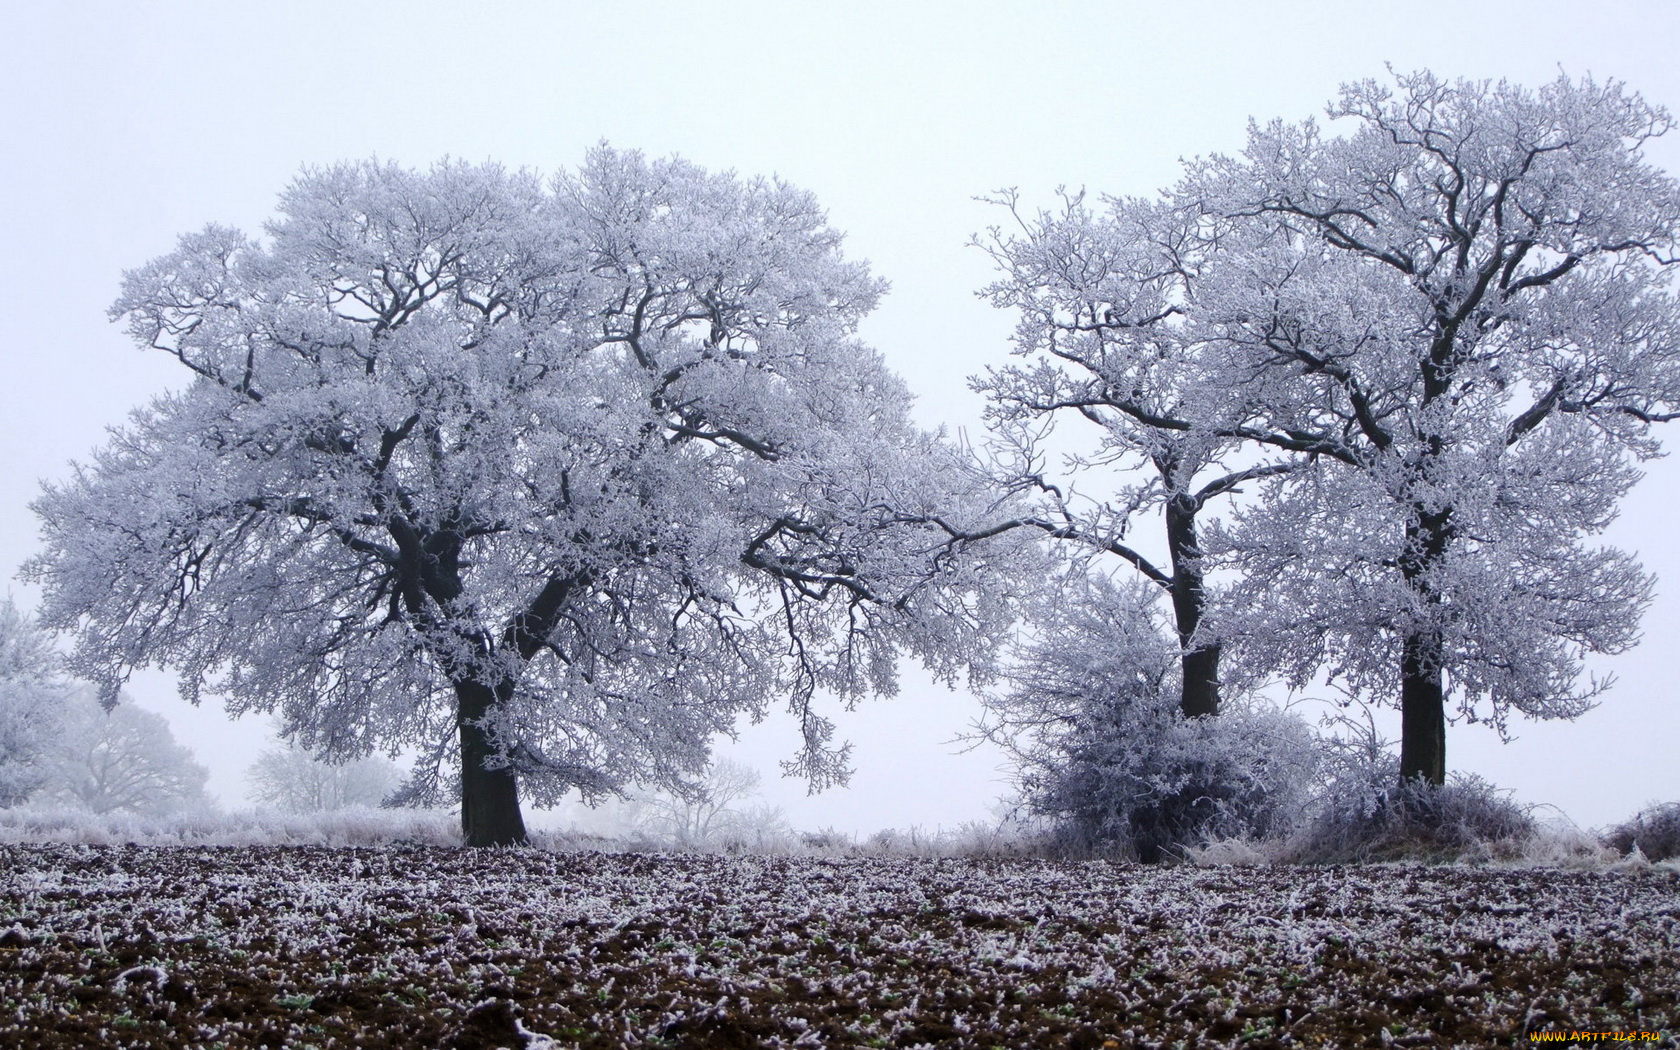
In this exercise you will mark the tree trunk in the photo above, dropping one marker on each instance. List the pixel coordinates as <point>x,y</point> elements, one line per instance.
<point>1423,712</point>
<point>1199,665</point>
<point>1423,700</point>
<point>489,797</point>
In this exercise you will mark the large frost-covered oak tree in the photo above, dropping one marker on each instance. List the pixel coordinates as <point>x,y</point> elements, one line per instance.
<point>559,479</point>
<point>1467,308</point>
<point>1461,313</point>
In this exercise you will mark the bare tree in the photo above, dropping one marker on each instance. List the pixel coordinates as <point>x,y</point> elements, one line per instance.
<point>293,780</point>
<point>121,760</point>
<point>713,811</point>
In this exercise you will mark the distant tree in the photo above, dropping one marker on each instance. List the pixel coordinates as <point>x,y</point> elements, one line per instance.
<point>550,483</point>
<point>295,781</point>
<point>58,743</point>
<point>32,697</point>
<point>121,760</point>
<point>713,811</point>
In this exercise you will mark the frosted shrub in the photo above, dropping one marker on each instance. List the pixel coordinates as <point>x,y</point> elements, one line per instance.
<point>1141,779</point>
<point>1357,770</point>
<point>1103,752</point>
<point>1654,831</point>
<point>1360,811</point>
<point>1467,818</point>
<point>827,841</point>
<point>1559,843</point>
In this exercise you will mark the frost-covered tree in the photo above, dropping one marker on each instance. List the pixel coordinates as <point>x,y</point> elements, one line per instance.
<point>57,743</point>
<point>1464,309</point>
<point>32,698</point>
<point>1107,303</point>
<point>716,808</point>
<point>1461,313</point>
<point>293,780</point>
<point>121,759</point>
<point>548,482</point>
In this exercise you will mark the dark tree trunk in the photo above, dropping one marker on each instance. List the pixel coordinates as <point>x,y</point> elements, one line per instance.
<point>1423,712</point>
<point>1199,664</point>
<point>430,568</point>
<point>1423,700</point>
<point>490,813</point>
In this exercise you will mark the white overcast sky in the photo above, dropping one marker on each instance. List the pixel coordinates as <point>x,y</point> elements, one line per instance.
<point>125,124</point>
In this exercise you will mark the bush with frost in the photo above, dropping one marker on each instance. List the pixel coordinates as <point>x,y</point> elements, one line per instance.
<point>1141,779</point>
<point>1653,831</point>
<point>1103,752</point>
<point>1465,819</point>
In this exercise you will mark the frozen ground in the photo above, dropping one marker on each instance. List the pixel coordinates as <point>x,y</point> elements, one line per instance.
<point>244,946</point>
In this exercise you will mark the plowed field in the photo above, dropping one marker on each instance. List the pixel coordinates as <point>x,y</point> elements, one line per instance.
<point>423,947</point>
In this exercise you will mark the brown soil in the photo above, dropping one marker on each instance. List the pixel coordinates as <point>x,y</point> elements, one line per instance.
<point>420,947</point>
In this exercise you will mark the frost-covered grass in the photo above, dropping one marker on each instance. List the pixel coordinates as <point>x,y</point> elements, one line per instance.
<point>1555,842</point>
<point>360,826</point>
<point>1551,844</point>
<point>424,947</point>
<point>345,827</point>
